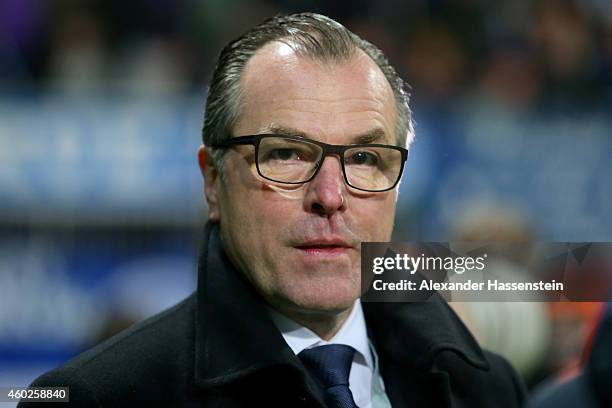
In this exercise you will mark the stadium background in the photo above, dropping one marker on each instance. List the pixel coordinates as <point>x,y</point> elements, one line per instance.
<point>101,202</point>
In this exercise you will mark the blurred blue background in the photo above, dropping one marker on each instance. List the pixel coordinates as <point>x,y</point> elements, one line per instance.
<point>101,107</point>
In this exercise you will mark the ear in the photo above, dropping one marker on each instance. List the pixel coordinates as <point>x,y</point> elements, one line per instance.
<point>211,181</point>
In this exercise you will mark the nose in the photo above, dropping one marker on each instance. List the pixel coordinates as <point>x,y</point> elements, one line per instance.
<point>325,193</point>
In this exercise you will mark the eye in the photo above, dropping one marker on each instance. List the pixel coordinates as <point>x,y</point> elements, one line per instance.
<point>283,154</point>
<point>362,158</point>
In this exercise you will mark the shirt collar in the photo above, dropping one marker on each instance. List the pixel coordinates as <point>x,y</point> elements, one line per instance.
<point>352,333</point>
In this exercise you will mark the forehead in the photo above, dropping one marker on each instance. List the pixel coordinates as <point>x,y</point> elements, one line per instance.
<point>324,100</point>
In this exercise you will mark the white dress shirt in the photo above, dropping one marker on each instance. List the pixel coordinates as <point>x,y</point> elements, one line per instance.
<point>365,381</point>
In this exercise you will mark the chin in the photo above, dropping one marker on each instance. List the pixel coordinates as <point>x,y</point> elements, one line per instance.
<point>329,299</point>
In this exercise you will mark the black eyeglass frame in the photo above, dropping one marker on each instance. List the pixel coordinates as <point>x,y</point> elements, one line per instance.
<point>328,150</point>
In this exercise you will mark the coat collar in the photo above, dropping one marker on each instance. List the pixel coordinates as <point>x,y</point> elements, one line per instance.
<point>234,334</point>
<point>235,337</point>
<point>416,333</point>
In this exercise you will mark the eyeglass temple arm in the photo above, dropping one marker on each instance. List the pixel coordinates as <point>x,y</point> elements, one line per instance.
<point>242,140</point>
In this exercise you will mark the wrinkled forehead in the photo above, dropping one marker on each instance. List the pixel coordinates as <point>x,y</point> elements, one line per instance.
<point>277,79</point>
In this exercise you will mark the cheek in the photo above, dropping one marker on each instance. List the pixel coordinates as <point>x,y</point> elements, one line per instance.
<point>255,218</point>
<point>376,217</point>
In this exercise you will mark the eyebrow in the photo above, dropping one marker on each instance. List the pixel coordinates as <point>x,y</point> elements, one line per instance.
<point>371,136</point>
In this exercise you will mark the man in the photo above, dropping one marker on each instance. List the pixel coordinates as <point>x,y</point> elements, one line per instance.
<point>305,138</point>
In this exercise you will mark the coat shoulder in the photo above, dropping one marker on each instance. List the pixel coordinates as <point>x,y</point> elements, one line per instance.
<point>483,385</point>
<point>150,361</point>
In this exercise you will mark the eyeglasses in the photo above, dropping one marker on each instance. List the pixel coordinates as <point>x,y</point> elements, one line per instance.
<point>295,160</point>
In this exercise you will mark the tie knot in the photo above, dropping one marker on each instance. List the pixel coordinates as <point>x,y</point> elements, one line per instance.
<point>330,364</point>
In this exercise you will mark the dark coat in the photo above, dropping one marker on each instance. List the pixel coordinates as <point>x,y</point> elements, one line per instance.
<point>219,348</point>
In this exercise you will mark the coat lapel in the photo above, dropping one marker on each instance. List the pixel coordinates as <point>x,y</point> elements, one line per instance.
<point>410,338</point>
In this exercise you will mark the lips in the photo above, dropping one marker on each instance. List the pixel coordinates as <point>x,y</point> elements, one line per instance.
<point>331,246</point>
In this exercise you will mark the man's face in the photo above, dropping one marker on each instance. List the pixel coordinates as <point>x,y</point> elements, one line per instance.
<point>300,247</point>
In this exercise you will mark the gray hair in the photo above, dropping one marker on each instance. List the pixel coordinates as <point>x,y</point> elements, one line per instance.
<point>309,35</point>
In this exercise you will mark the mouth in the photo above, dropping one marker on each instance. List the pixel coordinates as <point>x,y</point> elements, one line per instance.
<point>332,247</point>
